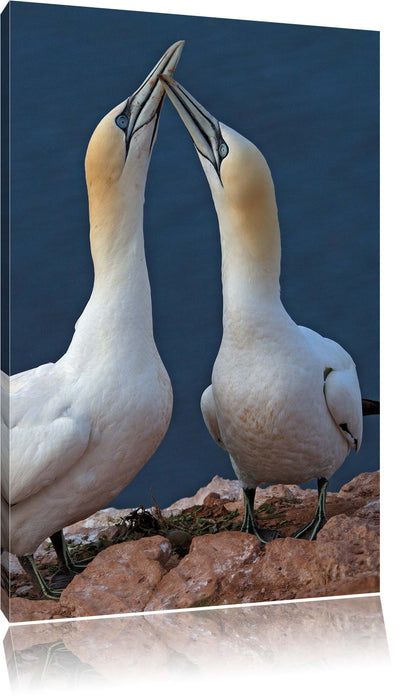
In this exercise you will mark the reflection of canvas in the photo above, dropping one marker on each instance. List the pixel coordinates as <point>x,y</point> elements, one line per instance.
<point>258,640</point>
<point>284,402</point>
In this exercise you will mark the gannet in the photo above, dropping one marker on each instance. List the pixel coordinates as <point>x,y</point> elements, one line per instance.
<point>81,428</point>
<point>284,402</point>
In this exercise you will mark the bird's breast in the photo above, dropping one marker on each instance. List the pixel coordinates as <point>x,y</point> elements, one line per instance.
<point>137,402</point>
<point>263,400</point>
<point>273,416</point>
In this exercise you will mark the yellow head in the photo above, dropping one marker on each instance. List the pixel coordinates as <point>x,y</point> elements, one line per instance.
<point>238,175</point>
<point>119,150</point>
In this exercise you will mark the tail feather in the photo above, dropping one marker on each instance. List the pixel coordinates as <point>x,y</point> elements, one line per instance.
<point>370,407</point>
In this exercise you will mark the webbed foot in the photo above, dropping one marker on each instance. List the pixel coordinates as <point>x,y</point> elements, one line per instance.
<point>249,524</point>
<point>44,591</point>
<point>67,565</point>
<point>309,531</point>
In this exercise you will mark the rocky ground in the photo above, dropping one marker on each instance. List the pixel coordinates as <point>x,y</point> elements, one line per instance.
<point>193,555</point>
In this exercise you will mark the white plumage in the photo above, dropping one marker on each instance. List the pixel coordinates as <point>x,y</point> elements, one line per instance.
<point>81,429</point>
<point>284,401</point>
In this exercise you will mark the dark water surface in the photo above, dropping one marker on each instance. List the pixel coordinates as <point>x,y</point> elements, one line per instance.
<point>308,98</point>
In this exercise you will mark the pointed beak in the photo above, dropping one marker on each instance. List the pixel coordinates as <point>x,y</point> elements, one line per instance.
<point>146,102</point>
<point>201,125</point>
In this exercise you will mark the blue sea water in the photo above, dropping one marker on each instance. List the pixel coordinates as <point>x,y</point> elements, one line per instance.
<point>307,96</point>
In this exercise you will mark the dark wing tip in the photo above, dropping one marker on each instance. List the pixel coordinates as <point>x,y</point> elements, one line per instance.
<point>370,407</point>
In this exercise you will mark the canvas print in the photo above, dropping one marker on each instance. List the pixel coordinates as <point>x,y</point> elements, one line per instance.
<point>190,389</point>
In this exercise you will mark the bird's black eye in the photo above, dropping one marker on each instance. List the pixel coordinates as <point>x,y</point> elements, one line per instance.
<point>223,150</point>
<point>122,121</point>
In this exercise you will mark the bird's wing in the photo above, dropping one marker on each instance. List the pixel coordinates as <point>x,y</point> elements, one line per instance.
<point>343,398</point>
<point>370,407</point>
<point>46,435</point>
<point>208,409</point>
<point>341,386</point>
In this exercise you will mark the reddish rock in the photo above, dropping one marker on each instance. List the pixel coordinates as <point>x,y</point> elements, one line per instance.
<point>365,486</point>
<point>230,568</point>
<point>227,567</point>
<point>229,489</point>
<point>356,585</point>
<point>25,610</point>
<point>347,550</point>
<point>208,570</point>
<point>119,580</point>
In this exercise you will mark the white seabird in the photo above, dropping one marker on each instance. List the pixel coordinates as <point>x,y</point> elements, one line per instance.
<point>284,401</point>
<point>82,428</point>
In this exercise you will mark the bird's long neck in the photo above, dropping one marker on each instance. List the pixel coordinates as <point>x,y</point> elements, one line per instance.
<point>119,312</point>
<point>121,290</point>
<point>251,254</point>
<point>117,244</point>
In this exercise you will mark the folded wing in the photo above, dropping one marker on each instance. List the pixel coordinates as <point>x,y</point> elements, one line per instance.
<point>343,398</point>
<point>45,435</point>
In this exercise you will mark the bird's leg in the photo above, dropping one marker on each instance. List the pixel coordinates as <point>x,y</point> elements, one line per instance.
<point>249,525</point>
<point>68,568</point>
<point>30,568</point>
<point>62,552</point>
<point>309,531</point>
